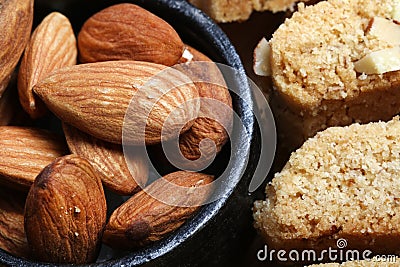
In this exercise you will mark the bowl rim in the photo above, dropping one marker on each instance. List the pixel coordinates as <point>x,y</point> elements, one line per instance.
<point>193,17</point>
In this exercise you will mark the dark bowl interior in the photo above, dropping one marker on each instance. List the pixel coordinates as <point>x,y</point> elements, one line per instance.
<point>217,235</point>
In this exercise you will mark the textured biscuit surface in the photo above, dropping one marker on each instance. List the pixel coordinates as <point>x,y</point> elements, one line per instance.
<point>239,10</point>
<point>342,183</point>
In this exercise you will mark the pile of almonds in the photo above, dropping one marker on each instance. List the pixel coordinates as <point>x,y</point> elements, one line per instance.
<point>53,207</point>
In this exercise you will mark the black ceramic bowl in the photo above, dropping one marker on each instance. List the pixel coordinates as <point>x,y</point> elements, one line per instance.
<point>219,233</point>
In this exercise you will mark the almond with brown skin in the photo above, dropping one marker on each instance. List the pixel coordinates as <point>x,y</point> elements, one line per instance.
<point>143,219</point>
<point>215,102</point>
<point>12,233</point>
<point>16,18</point>
<point>24,152</point>
<point>52,46</point>
<point>109,161</point>
<point>95,97</point>
<point>128,32</point>
<point>65,212</point>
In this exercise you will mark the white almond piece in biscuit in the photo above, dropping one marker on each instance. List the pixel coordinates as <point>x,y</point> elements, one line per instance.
<point>396,12</point>
<point>379,62</point>
<point>262,55</point>
<point>385,30</point>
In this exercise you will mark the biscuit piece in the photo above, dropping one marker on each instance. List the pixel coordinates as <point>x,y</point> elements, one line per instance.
<point>342,183</point>
<point>239,10</point>
<point>312,63</point>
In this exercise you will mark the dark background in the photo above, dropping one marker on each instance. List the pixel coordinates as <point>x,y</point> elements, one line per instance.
<point>245,37</point>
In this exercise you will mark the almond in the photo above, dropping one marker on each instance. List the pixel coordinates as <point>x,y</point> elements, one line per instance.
<point>215,102</point>
<point>262,58</point>
<point>396,12</point>
<point>24,152</point>
<point>109,161</point>
<point>142,219</point>
<point>95,97</point>
<point>128,32</point>
<point>379,62</point>
<point>16,24</point>
<point>12,233</point>
<point>52,46</point>
<point>384,30</point>
<point>65,212</point>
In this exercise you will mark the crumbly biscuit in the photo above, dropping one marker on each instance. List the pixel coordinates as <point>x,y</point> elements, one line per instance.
<point>342,183</point>
<point>239,10</point>
<point>312,63</point>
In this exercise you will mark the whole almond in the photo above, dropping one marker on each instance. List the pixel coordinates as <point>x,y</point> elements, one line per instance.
<point>24,152</point>
<point>65,212</point>
<point>128,32</point>
<point>16,18</point>
<point>12,233</point>
<point>109,161</point>
<point>143,219</point>
<point>215,102</point>
<point>95,97</point>
<point>52,46</point>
